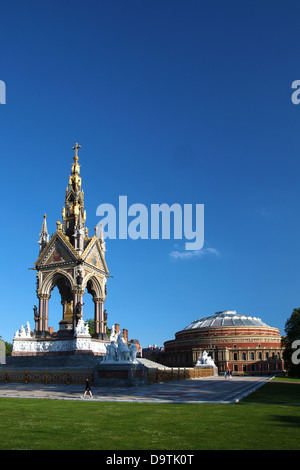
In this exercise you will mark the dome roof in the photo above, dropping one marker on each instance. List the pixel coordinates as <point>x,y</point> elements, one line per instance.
<point>226,318</point>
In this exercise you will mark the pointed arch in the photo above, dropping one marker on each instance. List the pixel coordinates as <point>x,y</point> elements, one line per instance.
<point>93,286</point>
<point>53,279</point>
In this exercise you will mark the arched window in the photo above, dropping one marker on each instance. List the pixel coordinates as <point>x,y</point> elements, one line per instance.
<point>252,356</point>
<point>235,356</point>
<point>244,356</point>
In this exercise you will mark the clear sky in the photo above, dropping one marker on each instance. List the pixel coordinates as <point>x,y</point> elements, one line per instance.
<point>172,101</point>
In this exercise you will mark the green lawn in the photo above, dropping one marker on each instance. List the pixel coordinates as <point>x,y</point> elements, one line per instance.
<point>286,379</point>
<point>63,425</point>
<point>277,391</point>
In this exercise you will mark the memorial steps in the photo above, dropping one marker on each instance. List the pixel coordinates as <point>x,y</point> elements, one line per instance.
<point>78,361</point>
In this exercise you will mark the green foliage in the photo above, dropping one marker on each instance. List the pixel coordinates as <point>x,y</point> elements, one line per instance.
<point>8,347</point>
<point>91,324</point>
<point>292,333</point>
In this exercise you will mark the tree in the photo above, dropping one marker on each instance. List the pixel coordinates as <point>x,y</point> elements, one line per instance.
<point>8,347</point>
<point>91,324</point>
<point>292,331</point>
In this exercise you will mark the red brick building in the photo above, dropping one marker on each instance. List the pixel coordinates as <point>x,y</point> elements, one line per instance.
<point>243,344</point>
<point>125,336</point>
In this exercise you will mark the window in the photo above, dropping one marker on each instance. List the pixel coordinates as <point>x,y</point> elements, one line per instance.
<point>252,356</point>
<point>235,357</point>
<point>244,356</point>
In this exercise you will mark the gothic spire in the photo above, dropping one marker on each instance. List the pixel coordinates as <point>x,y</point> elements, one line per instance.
<point>73,214</point>
<point>44,237</point>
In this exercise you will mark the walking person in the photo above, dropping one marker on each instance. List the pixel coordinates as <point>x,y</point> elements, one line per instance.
<point>87,388</point>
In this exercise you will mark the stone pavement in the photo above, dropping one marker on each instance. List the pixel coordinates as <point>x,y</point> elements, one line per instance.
<point>202,390</point>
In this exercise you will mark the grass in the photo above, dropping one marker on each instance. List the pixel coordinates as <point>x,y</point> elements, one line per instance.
<point>33,424</point>
<point>286,379</point>
<point>265,420</point>
<point>277,391</point>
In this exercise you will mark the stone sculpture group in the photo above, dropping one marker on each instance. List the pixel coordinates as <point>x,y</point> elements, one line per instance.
<point>23,332</point>
<point>118,351</point>
<point>205,360</point>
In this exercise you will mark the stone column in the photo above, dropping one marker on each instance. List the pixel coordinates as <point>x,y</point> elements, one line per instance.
<point>74,310</point>
<point>97,317</point>
<point>43,314</point>
<point>100,323</point>
<point>64,305</point>
<point>46,310</point>
<point>40,321</point>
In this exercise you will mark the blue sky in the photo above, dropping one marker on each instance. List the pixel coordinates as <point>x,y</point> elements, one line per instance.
<point>183,102</point>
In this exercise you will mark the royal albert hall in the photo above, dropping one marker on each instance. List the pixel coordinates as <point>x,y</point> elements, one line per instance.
<point>243,344</point>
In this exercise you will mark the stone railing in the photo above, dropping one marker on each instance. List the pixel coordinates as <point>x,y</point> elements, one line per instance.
<point>45,376</point>
<point>48,376</point>
<point>180,373</point>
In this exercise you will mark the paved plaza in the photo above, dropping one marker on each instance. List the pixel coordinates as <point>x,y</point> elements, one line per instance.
<point>203,390</point>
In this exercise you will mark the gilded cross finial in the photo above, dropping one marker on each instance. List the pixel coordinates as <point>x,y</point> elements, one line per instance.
<point>77,146</point>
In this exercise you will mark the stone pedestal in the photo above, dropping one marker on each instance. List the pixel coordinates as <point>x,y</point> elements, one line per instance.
<point>120,373</point>
<point>203,366</point>
<point>63,342</point>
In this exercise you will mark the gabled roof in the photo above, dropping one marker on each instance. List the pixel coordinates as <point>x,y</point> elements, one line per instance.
<point>65,251</point>
<point>58,239</point>
<point>93,254</point>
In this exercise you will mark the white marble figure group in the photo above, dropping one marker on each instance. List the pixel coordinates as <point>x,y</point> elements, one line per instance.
<point>23,332</point>
<point>82,328</point>
<point>118,350</point>
<point>205,360</point>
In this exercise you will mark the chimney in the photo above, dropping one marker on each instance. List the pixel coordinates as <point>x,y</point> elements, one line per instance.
<point>125,335</point>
